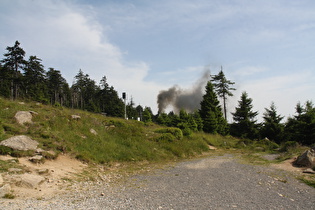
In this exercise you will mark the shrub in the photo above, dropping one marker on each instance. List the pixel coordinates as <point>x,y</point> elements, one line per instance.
<point>174,131</point>
<point>286,146</point>
<point>266,144</point>
<point>167,137</point>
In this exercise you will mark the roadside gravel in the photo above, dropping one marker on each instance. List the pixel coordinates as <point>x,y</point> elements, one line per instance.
<point>219,182</point>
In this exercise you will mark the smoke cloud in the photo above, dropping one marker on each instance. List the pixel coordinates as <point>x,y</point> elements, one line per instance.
<point>178,98</point>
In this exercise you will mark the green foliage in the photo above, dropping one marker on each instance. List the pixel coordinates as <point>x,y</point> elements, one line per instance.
<point>266,144</point>
<point>272,128</point>
<point>288,145</point>
<point>168,137</point>
<point>245,124</point>
<point>211,113</point>
<point>5,150</point>
<point>176,132</point>
<point>301,128</point>
<point>222,87</point>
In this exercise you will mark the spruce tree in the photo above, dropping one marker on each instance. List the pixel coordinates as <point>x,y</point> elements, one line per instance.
<point>223,89</point>
<point>35,80</point>
<point>14,62</point>
<point>244,117</point>
<point>301,128</point>
<point>211,113</point>
<point>272,127</point>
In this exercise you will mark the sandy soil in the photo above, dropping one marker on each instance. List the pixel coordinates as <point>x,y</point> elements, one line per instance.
<point>57,174</point>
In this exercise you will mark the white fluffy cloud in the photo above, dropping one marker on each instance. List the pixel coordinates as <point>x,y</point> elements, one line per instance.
<point>69,38</point>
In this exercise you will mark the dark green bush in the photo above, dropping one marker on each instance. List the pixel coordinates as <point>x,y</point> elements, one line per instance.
<point>286,146</point>
<point>174,131</point>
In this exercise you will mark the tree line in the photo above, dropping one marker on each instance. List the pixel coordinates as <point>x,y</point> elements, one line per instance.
<point>27,79</point>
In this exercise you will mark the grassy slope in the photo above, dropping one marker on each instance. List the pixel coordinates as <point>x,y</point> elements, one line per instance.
<point>116,140</point>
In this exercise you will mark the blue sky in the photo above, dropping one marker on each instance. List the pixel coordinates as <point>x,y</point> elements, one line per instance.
<point>266,47</point>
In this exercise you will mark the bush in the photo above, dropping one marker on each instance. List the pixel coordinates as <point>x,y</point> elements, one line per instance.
<point>174,131</point>
<point>286,146</point>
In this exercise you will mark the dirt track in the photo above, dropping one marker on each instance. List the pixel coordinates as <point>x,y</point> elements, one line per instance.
<point>219,182</point>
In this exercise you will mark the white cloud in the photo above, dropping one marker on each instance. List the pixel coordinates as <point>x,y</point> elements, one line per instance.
<point>69,38</point>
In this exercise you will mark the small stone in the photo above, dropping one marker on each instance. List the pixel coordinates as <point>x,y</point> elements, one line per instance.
<point>36,159</point>
<point>309,171</point>
<point>102,194</point>
<point>75,117</point>
<point>93,131</point>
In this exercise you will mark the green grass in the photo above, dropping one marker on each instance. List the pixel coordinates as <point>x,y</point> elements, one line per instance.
<point>309,180</point>
<point>116,140</point>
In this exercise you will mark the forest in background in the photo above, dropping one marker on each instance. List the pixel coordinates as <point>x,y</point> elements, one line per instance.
<point>22,79</point>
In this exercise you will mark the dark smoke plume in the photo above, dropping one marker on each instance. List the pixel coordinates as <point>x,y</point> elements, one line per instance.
<point>178,98</point>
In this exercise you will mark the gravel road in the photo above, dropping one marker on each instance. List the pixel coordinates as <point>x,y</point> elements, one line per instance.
<point>219,182</point>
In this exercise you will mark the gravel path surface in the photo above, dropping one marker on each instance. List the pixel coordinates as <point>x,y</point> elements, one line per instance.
<point>219,182</point>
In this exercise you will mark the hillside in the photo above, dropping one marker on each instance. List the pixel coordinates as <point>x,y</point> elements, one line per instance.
<point>73,141</point>
<point>95,138</point>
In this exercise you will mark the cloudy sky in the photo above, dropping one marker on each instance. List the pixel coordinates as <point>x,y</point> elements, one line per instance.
<point>266,47</point>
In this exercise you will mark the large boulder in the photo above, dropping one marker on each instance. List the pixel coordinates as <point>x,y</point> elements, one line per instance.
<point>20,143</point>
<point>23,117</point>
<point>307,159</point>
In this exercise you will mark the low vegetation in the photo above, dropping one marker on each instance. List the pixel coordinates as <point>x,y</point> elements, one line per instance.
<point>97,139</point>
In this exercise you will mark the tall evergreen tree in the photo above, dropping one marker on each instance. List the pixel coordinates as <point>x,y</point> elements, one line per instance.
<point>14,63</point>
<point>35,80</point>
<point>84,92</point>
<point>244,117</point>
<point>57,87</point>
<point>301,128</point>
<point>5,82</point>
<point>211,113</point>
<point>223,89</point>
<point>109,101</point>
<point>272,127</point>
<point>147,115</point>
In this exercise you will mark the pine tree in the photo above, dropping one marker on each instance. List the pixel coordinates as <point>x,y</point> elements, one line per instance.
<point>223,89</point>
<point>211,113</point>
<point>35,80</point>
<point>14,63</point>
<point>272,127</point>
<point>147,115</point>
<point>244,117</point>
<point>301,128</point>
<point>57,87</point>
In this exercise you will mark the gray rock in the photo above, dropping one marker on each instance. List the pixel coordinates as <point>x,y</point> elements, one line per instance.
<point>307,159</point>
<point>5,189</point>
<point>36,159</point>
<point>75,117</point>
<point>93,131</point>
<point>29,180</point>
<point>20,143</point>
<point>23,117</point>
